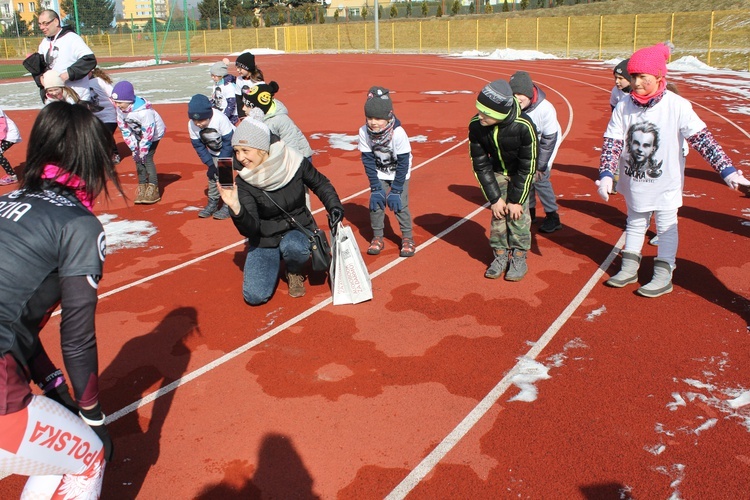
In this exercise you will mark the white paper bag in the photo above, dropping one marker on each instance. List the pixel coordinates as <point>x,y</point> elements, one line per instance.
<point>350,279</point>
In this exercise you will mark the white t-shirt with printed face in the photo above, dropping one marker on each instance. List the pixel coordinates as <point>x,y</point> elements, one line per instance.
<point>652,164</point>
<point>212,134</point>
<point>63,51</point>
<point>386,160</point>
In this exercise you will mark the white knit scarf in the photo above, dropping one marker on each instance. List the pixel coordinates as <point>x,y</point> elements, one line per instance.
<point>278,169</point>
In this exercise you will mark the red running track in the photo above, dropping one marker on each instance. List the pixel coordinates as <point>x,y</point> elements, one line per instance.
<point>410,394</point>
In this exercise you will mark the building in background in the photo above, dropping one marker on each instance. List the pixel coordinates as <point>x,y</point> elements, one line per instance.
<point>138,12</point>
<point>26,11</point>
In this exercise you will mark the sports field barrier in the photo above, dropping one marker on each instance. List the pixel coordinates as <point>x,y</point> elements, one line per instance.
<point>719,38</point>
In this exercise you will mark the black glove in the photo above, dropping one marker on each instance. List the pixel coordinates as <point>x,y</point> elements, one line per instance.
<point>61,394</point>
<point>95,419</point>
<point>336,216</point>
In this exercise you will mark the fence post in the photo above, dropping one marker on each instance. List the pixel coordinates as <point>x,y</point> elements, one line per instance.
<point>710,38</point>
<point>179,42</point>
<point>365,38</point>
<point>230,41</point>
<point>257,40</point>
<point>635,32</point>
<point>507,25</point>
<point>109,44</point>
<point>537,35</point>
<point>276,37</point>
<point>205,47</point>
<point>567,44</point>
<point>671,36</point>
<point>5,43</point>
<point>393,37</point>
<point>449,37</point>
<point>477,34</point>
<point>601,25</point>
<point>420,37</point>
<point>338,38</point>
<point>312,43</point>
<point>132,45</point>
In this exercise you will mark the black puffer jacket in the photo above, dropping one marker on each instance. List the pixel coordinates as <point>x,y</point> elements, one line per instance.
<point>509,148</point>
<point>264,224</point>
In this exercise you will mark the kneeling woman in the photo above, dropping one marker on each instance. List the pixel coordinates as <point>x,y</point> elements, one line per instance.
<point>272,181</point>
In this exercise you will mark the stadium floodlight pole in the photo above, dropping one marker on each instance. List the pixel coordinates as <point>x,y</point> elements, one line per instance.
<point>377,31</point>
<point>153,32</point>
<point>187,29</point>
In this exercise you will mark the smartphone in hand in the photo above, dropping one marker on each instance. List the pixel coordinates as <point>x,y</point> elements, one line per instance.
<point>226,172</point>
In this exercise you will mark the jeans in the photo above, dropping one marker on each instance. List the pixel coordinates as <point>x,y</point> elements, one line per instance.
<point>262,265</point>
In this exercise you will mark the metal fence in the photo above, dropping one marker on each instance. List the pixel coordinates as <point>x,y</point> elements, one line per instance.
<point>719,39</point>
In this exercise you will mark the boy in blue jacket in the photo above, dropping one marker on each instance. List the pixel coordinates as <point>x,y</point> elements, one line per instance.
<point>211,135</point>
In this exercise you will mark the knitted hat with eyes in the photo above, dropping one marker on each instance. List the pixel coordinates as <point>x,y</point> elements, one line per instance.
<point>379,104</point>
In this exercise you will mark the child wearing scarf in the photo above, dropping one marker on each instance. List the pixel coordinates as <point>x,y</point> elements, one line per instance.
<point>643,141</point>
<point>386,155</point>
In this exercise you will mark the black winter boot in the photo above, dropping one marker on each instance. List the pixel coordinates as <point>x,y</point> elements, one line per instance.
<point>551,223</point>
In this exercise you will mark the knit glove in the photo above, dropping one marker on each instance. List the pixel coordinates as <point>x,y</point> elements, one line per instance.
<point>737,181</point>
<point>605,187</point>
<point>394,200</point>
<point>95,419</point>
<point>377,200</point>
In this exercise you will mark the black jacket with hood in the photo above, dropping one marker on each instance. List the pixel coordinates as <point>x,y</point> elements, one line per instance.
<point>509,148</point>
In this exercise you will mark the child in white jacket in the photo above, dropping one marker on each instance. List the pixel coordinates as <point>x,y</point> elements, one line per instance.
<point>142,128</point>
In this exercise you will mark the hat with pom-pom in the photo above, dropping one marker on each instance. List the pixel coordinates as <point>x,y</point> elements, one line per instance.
<point>260,96</point>
<point>650,60</point>
<point>123,91</point>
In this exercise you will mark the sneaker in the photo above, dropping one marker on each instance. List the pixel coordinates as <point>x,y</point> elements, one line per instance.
<point>551,223</point>
<point>654,241</point>
<point>498,266</point>
<point>211,207</point>
<point>407,247</point>
<point>376,246</point>
<point>296,284</point>
<point>8,180</point>
<point>517,268</point>
<point>222,213</point>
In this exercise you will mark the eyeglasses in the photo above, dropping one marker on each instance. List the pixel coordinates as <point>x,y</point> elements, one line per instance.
<point>46,23</point>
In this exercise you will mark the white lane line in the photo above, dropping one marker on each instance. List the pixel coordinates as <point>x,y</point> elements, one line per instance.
<point>463,428</point>
<point>149,398</point>
<point>170,270</point>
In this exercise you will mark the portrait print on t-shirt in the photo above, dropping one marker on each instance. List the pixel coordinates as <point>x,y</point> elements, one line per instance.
<point>643,144</point>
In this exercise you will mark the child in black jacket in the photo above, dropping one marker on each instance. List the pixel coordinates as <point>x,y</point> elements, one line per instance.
<point>503,148</point>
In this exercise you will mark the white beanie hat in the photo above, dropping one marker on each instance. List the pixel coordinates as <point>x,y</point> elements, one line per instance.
<point>52,79</point>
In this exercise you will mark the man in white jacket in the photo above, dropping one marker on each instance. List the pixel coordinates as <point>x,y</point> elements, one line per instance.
<point>66,53</point>
<point>534,103</point>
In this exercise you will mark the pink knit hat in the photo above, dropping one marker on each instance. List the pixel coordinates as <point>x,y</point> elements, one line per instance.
<point>650,60</point>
